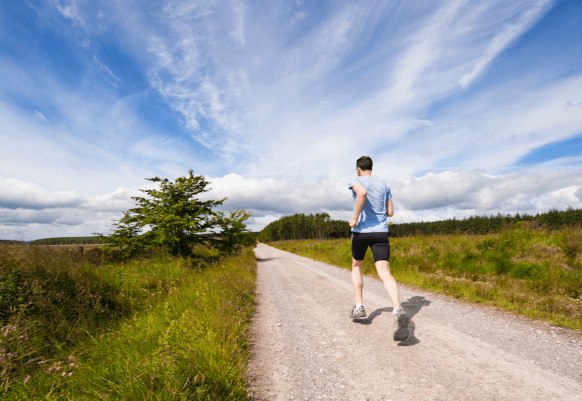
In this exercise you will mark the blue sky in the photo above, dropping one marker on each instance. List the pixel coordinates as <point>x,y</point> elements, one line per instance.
<point>467,108</point>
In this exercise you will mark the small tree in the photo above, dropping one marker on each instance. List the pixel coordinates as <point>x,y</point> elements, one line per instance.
<point>126,236</point>
<point>171,217</point>
<point>233,232</point>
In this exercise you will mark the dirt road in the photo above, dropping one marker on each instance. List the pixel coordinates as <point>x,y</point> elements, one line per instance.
<point>306,347</point>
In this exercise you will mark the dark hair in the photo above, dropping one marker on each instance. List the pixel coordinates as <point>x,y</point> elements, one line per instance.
<point>364,163</point>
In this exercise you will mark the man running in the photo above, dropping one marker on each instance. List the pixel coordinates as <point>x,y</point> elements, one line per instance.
<point>372,206</point>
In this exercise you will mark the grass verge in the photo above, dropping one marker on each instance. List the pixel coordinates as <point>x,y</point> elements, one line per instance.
<point>531,272</point>
<point>174,332</point>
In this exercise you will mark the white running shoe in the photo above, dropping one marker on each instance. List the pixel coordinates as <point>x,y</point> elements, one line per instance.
<point>357,312</point>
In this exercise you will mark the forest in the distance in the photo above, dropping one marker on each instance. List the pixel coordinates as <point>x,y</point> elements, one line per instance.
<point>321,226</point>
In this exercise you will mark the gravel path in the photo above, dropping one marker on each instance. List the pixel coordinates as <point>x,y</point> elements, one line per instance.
<point>305,347</point>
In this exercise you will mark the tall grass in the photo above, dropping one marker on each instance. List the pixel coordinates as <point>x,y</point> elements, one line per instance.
<point>529,271</point>
<point>158,328</point>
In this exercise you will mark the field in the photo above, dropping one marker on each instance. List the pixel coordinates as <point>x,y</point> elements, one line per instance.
<point>533,272</point>
<point>79,326</point>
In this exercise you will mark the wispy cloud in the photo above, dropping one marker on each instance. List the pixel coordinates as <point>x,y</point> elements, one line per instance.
<point>499,126</point>
<point>509,33</point>
<point>238,30</point>
<point>189,70</point>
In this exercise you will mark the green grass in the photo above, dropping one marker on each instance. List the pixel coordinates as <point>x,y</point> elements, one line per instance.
<point>160,328</point>
<point>535,273</point>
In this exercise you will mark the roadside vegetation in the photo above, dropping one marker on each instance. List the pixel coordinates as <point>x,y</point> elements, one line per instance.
<point>161,327</point>
<point>161,312</point>
<point>526,269</point>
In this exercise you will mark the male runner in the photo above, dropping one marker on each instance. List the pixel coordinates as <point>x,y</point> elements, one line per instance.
<point>372,206</point>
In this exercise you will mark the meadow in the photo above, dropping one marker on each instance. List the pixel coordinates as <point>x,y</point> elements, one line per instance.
<point>525,269</point>
<point>82,326</point>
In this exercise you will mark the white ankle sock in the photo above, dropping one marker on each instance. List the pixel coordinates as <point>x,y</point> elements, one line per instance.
<point>359,305</point>
<point>395,311</point>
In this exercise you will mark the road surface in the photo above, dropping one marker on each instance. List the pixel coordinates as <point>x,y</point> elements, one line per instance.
<point>305,346</point>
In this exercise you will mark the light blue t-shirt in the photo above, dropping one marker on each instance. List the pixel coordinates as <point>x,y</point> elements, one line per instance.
<point>373,218</point>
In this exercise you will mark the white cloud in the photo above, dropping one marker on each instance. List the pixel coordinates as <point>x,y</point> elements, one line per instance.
<point>445,195</point>
<point>28,216</point>
<point>115,202</point>
<point>29,211</point>
<point>270,196</point>
<point>17,194</point>
<point>89,141</point>
<point>192,69</point>
<point>300,117</point>
<point>334,39</point>
<point>486,194</point>
<point>259,100</point>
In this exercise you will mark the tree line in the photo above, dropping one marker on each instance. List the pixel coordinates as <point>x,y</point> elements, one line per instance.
<point>68,241</point>
<point>552,220</point>
<point>301,226</point>
<point>11,242</point>
<point>320,226</point>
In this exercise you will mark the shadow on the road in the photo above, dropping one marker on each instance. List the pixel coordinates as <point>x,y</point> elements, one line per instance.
<point>372,316</point>
<point>412,306</point>
<point>265,259</point>
<point>415,304</point>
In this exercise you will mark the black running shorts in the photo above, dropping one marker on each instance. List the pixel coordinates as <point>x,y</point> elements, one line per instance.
<point>378,242</point>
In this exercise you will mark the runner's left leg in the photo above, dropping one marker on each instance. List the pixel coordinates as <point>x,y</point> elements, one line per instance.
<point>358,280</point>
